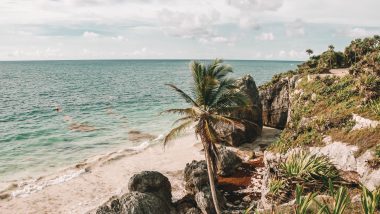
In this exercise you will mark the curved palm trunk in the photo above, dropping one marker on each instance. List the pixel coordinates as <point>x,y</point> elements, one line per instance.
<point>211,177</point>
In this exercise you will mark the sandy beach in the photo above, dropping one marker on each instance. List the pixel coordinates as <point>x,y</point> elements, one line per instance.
<point>81,188</point>
<point>85,186</point>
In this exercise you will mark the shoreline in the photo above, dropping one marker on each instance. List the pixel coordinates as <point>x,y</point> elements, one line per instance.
<point>82,187</point>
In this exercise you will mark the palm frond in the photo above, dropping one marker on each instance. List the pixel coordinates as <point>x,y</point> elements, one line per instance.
<point>180,111</point>
<point>177,131</point>
<point>183,94</point>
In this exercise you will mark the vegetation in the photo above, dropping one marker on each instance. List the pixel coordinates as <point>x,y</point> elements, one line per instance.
<point>307,167</point>
<point>303,203</point>
<point>370,200</point>
<point>214,98</point>
<point>341,201</point>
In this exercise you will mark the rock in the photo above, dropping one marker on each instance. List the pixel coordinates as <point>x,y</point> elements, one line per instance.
<point>135,203</point>
<point>142,203</point>
<point>340,154</point>
<point>187,205</point>
<point>362,123</point>
<point>151,182</point>
<point>228,162</point>
<point>196,177</point>
<point>252,126</point>
<point>112,206</point>
<point>204,202</point>
<point>197,184</point>
<point>275,100</point>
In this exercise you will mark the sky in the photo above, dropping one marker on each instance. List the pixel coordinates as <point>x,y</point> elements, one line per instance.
<point>181,29</point>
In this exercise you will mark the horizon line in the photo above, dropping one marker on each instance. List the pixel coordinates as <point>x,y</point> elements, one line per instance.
<point>179,59</point>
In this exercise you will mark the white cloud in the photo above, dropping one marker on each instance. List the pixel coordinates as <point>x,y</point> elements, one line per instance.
<point>256,5</point>
<point>295,28</point>
<point>247,22</point>
<point>119,38</point>
<point>90,35</point>
<point>265,37</point>
<point>359,32</point>
<point>292,54</point>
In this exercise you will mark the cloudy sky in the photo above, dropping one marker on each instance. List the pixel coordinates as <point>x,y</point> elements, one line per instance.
<point>180,29</point>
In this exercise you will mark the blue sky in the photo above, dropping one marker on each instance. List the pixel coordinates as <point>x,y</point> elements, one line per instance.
<point>180,29</point>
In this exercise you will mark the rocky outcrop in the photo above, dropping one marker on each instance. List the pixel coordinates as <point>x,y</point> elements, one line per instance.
<point>252,116</point>
<point>197,185</point>
<point>228,162</point>
<point>150,193</point>
<point>275,100</point>
<point>151,182</point>
<point>135,203</point>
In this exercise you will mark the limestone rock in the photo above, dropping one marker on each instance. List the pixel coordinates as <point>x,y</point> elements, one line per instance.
<point>142,203</point>
<point>135,203</point>
<point>228,162</point>
<point>151,182</point>
<point>253,116</point>
<point>196,177</point>
<point>187,205</point>
<point>275,100</point>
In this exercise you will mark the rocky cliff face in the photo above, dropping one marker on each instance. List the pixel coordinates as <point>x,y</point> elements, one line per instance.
<point>253,116</point>
<point>275,100</point>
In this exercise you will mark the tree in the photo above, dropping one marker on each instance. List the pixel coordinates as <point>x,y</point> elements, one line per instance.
<point>214,98</point>
<point>331,47</point>
<point>309,52</point>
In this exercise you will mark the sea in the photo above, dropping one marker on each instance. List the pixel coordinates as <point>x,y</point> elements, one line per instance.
<point>57,113</point>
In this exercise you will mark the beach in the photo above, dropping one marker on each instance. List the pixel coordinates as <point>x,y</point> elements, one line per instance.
<point>83,187</point>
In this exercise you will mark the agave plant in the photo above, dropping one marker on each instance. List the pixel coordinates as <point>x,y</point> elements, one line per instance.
<point>213,100</point>
<point>307,167</point>
<point>370,200</point>
<point>303,203</point>
<point>341,201</point>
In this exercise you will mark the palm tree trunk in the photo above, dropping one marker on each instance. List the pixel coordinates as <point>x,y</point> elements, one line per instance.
<point>211,180</point>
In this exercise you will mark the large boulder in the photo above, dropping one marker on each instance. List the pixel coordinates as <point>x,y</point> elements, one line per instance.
<point>151,182</point>
<point>275,100</point>
<point>196,177</point>
<point>197,185</point>
<point>135,203</point>
<point>252,124</point>
<point>228,162</point>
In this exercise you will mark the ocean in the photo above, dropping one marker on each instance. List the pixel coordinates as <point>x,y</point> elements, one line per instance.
<point>57,113</point>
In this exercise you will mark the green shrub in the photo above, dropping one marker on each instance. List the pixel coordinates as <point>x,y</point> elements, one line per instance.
<point>341,201</point>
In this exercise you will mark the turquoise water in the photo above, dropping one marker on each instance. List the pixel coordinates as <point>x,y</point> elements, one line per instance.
<point>112,97</point>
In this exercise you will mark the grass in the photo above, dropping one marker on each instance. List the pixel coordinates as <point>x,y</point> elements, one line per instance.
<point>364,138</point>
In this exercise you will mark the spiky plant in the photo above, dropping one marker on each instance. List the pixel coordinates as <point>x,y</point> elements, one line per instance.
<point>214,98</point>
<point>303,203</point>
<point>306,166</point>
<point>341,201</point>
<point>370,200</point>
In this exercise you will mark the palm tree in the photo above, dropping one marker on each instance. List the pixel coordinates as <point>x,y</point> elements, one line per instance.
<point>309,52</point>
<point>214,98</point>
<point>331,47</point>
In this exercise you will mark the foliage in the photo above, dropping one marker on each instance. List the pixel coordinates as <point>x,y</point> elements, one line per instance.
<point>370,200</point>
<point>306,166</point>
<point>359,48</point>
<point>276,185</point>
<point>303,203</point>
<point>214,98</point>
<point>341,201</point>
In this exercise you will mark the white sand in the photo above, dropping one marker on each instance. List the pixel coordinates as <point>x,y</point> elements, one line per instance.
<point>81,189</point>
